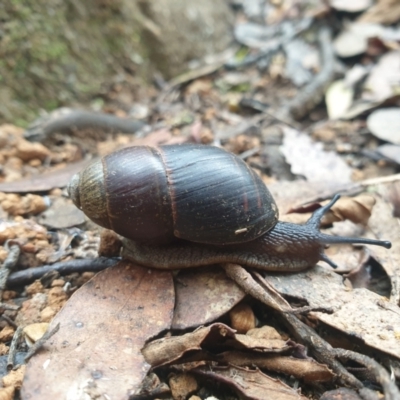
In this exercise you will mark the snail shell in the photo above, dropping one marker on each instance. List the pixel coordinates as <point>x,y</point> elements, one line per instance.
<point>155,194</point>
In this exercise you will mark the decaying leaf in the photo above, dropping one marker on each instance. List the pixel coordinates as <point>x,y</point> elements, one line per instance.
<point>253,385</point>
<point>310,160</point>
<point>104,325</point>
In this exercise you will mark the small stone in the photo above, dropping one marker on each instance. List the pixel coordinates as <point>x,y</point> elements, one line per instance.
<point>27,151</point>
<point>6,334</point>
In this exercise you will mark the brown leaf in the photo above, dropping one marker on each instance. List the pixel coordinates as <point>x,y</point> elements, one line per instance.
<point>166,350</point>
<point>202,296</point>
<point>253,385</point>
<point>103,328</point>
<point>356,209</point>
<point>44,182</point>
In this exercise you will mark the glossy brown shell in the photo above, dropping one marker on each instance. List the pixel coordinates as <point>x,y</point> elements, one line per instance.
<point>193,192</point>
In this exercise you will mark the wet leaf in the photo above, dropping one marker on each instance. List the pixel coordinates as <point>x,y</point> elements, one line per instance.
<point>102,330</point>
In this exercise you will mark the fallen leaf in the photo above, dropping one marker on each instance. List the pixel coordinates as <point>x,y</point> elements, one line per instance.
<point>382,12</point>
<point>253,385</point>
<point>390,151</point>
<point>310,160</point>
<point>33,332</point>
<point>216,336</point>
<point>62,214</point>
<point>384,80</point>
<point>46,181</point>
<point>202,296</point>
<point>103,327</point>
<point>350,6</point>
<point>353,40</point>
<point>385,123</point>
<point>338,99</point>
<point>306,369</point>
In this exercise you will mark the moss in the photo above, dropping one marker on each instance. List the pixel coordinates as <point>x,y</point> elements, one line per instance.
<point>54,52</point>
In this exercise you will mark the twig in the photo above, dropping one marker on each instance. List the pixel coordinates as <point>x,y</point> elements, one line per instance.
<point>9,263</point>
<point>13,348</point>
<point>379,180</point>
<point>312,94</point>
<point>70,121</point>
<point>9,321</point>
<point>39,344</point>
<point>65,267</point>
<point>380,374</point>
<point>246,282</point>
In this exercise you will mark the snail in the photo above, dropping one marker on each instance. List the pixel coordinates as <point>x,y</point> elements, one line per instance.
<point>190,205</point>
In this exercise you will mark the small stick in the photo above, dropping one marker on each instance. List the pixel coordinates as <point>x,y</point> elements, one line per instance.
<point>13,348</point>
<point>381,375</point>
<point>9,263</point>
<point>9,321</point>
<point>65,267</point>
<point>246,282</point>
<point>39,344</point>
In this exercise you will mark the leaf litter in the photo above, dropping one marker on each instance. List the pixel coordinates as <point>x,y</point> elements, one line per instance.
<point>197,110</point>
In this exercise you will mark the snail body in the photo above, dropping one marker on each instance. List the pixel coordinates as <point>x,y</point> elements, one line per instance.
<point>185,206</point>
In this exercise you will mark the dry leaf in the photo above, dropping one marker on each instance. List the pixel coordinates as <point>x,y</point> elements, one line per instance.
<point>103,327</point>
<point>390,151</point>
<point>385,123</point>
<point>356,209</point>
<point>350,6</point>
<point>306,369</point>
<point>34,332</point>
<point>216,336</point>
<point>202,296</point>
<point>338,99</point>
<point>253,385</point>
<point>384,79</point>
<point>310,160</point>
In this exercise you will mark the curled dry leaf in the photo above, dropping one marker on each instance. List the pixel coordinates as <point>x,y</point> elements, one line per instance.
<point>356,209</point>
<point>216,336</point>
<point>251,384</point>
